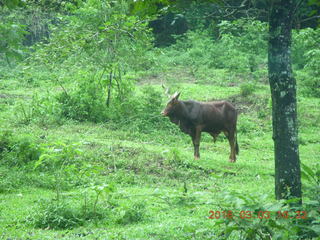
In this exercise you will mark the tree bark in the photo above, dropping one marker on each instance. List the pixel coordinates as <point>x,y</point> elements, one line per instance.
<point>284,103</point>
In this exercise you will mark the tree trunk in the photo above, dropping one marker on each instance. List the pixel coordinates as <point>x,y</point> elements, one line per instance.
<point>284,103</point>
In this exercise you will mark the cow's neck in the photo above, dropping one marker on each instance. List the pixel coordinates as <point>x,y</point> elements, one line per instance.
<point>181,111</point>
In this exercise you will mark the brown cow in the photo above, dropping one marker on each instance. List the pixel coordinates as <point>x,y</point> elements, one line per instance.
<point>212,117</point>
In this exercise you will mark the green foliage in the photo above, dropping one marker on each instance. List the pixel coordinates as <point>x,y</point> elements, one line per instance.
<point>61,160</point>
<point>83,52</point>
<point>312,176</point>
<point>43,109</point>
<point>99,36</point>
<point>147,107</point>
<point>240,49</point>
<point>86,102</point>
<point>11,38</point>
<point>5,141</point>
<point>18,150</point>
<point>306,59</point>
<point>56,215</point>
<point>261,219</point>
<point>133,213</point>
<point>174,158</point>
<point>247,89</point>
<point>58,155</point>
<point>12,178</point>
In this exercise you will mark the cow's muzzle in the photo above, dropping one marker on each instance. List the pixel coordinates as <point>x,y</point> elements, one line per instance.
<point>164,113</point>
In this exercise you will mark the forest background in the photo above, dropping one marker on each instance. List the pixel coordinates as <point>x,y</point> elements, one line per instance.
<point>84,151</point>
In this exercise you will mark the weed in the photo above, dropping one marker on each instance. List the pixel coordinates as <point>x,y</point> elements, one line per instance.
<point>132,214</point>
<point>247,89</point>
<point>85,103</point>
<point>18,150</point>
<point>56,215</point>
<point>5,140</point>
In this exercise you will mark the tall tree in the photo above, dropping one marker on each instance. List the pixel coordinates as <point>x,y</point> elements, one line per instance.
<point>284,102</point>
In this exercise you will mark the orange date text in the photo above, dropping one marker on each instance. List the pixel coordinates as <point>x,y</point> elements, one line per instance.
<point>229,214</point>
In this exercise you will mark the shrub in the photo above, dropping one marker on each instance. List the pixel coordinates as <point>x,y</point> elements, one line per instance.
<point>308,83</point>
<point>247,89</point>
<point>66,214</point>
<point>43,110</point>
<point>56,215</point>
<point>306,58</point>
<point>5,141</point>
<point>240,48</point>
<point>86,102</point>
<point>285,219</point>
<point>260,219</point>
<point>148,115</point>
<point>303,41</point>
<point>58,155</point>
<point>18,150</point>
<point>132,214</point>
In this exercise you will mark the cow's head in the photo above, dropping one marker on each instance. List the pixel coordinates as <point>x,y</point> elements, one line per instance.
<point>171,105</point>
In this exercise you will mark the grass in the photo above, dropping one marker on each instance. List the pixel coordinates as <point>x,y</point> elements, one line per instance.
<point>161,192</point>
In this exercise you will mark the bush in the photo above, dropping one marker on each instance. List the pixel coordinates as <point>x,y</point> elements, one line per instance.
<point>247,89</point>
<point>132,214</point>
<point>43,110</point>
<point>306,58</point>
<point>18,150</point>
<point>87,102</point>
<point>148,115</point>
<point>5,141</point>
<point>303,41</point>
<point>240,48</point>
<point>62,213</point>
<point>308,83</point>
<point>59,155</point>
<point>285,219</point>
<point>11,179</point>
<point>56,215</point>
<point>260,219</point>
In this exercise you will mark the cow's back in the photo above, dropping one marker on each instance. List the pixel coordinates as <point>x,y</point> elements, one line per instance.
<point>218,115</point>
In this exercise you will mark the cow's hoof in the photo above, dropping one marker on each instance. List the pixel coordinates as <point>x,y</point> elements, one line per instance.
<point>232,160</point>
<point>196,158</point>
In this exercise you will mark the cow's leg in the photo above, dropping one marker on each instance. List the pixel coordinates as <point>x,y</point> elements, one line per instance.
<point>196,142</point>
<point>231,137</point>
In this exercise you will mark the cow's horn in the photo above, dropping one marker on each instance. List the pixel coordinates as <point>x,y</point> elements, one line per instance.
<point>176,95</point>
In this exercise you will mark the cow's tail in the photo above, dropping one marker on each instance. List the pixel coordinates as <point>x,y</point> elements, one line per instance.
<point>237,146</point>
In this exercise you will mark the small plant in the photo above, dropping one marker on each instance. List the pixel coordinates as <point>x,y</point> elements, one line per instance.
<point>56,215</point>
<point>174,158</point>
<point>5,140</point>
<point>247,89</point>
<point>18,150</point>
<point>61,160</point>
<point>86,102</point>
<point>149,108</point>
<point>132,214</point>
<point>257,218</point>
<point>42,109</point>
<point>91,210</point>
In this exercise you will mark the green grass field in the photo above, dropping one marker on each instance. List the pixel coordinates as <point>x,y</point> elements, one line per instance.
<point>137,182</point>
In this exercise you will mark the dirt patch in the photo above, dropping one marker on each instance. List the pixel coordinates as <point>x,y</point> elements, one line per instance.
<point>250,103</point>
<point>7,96</point>
<point>180,75</point>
